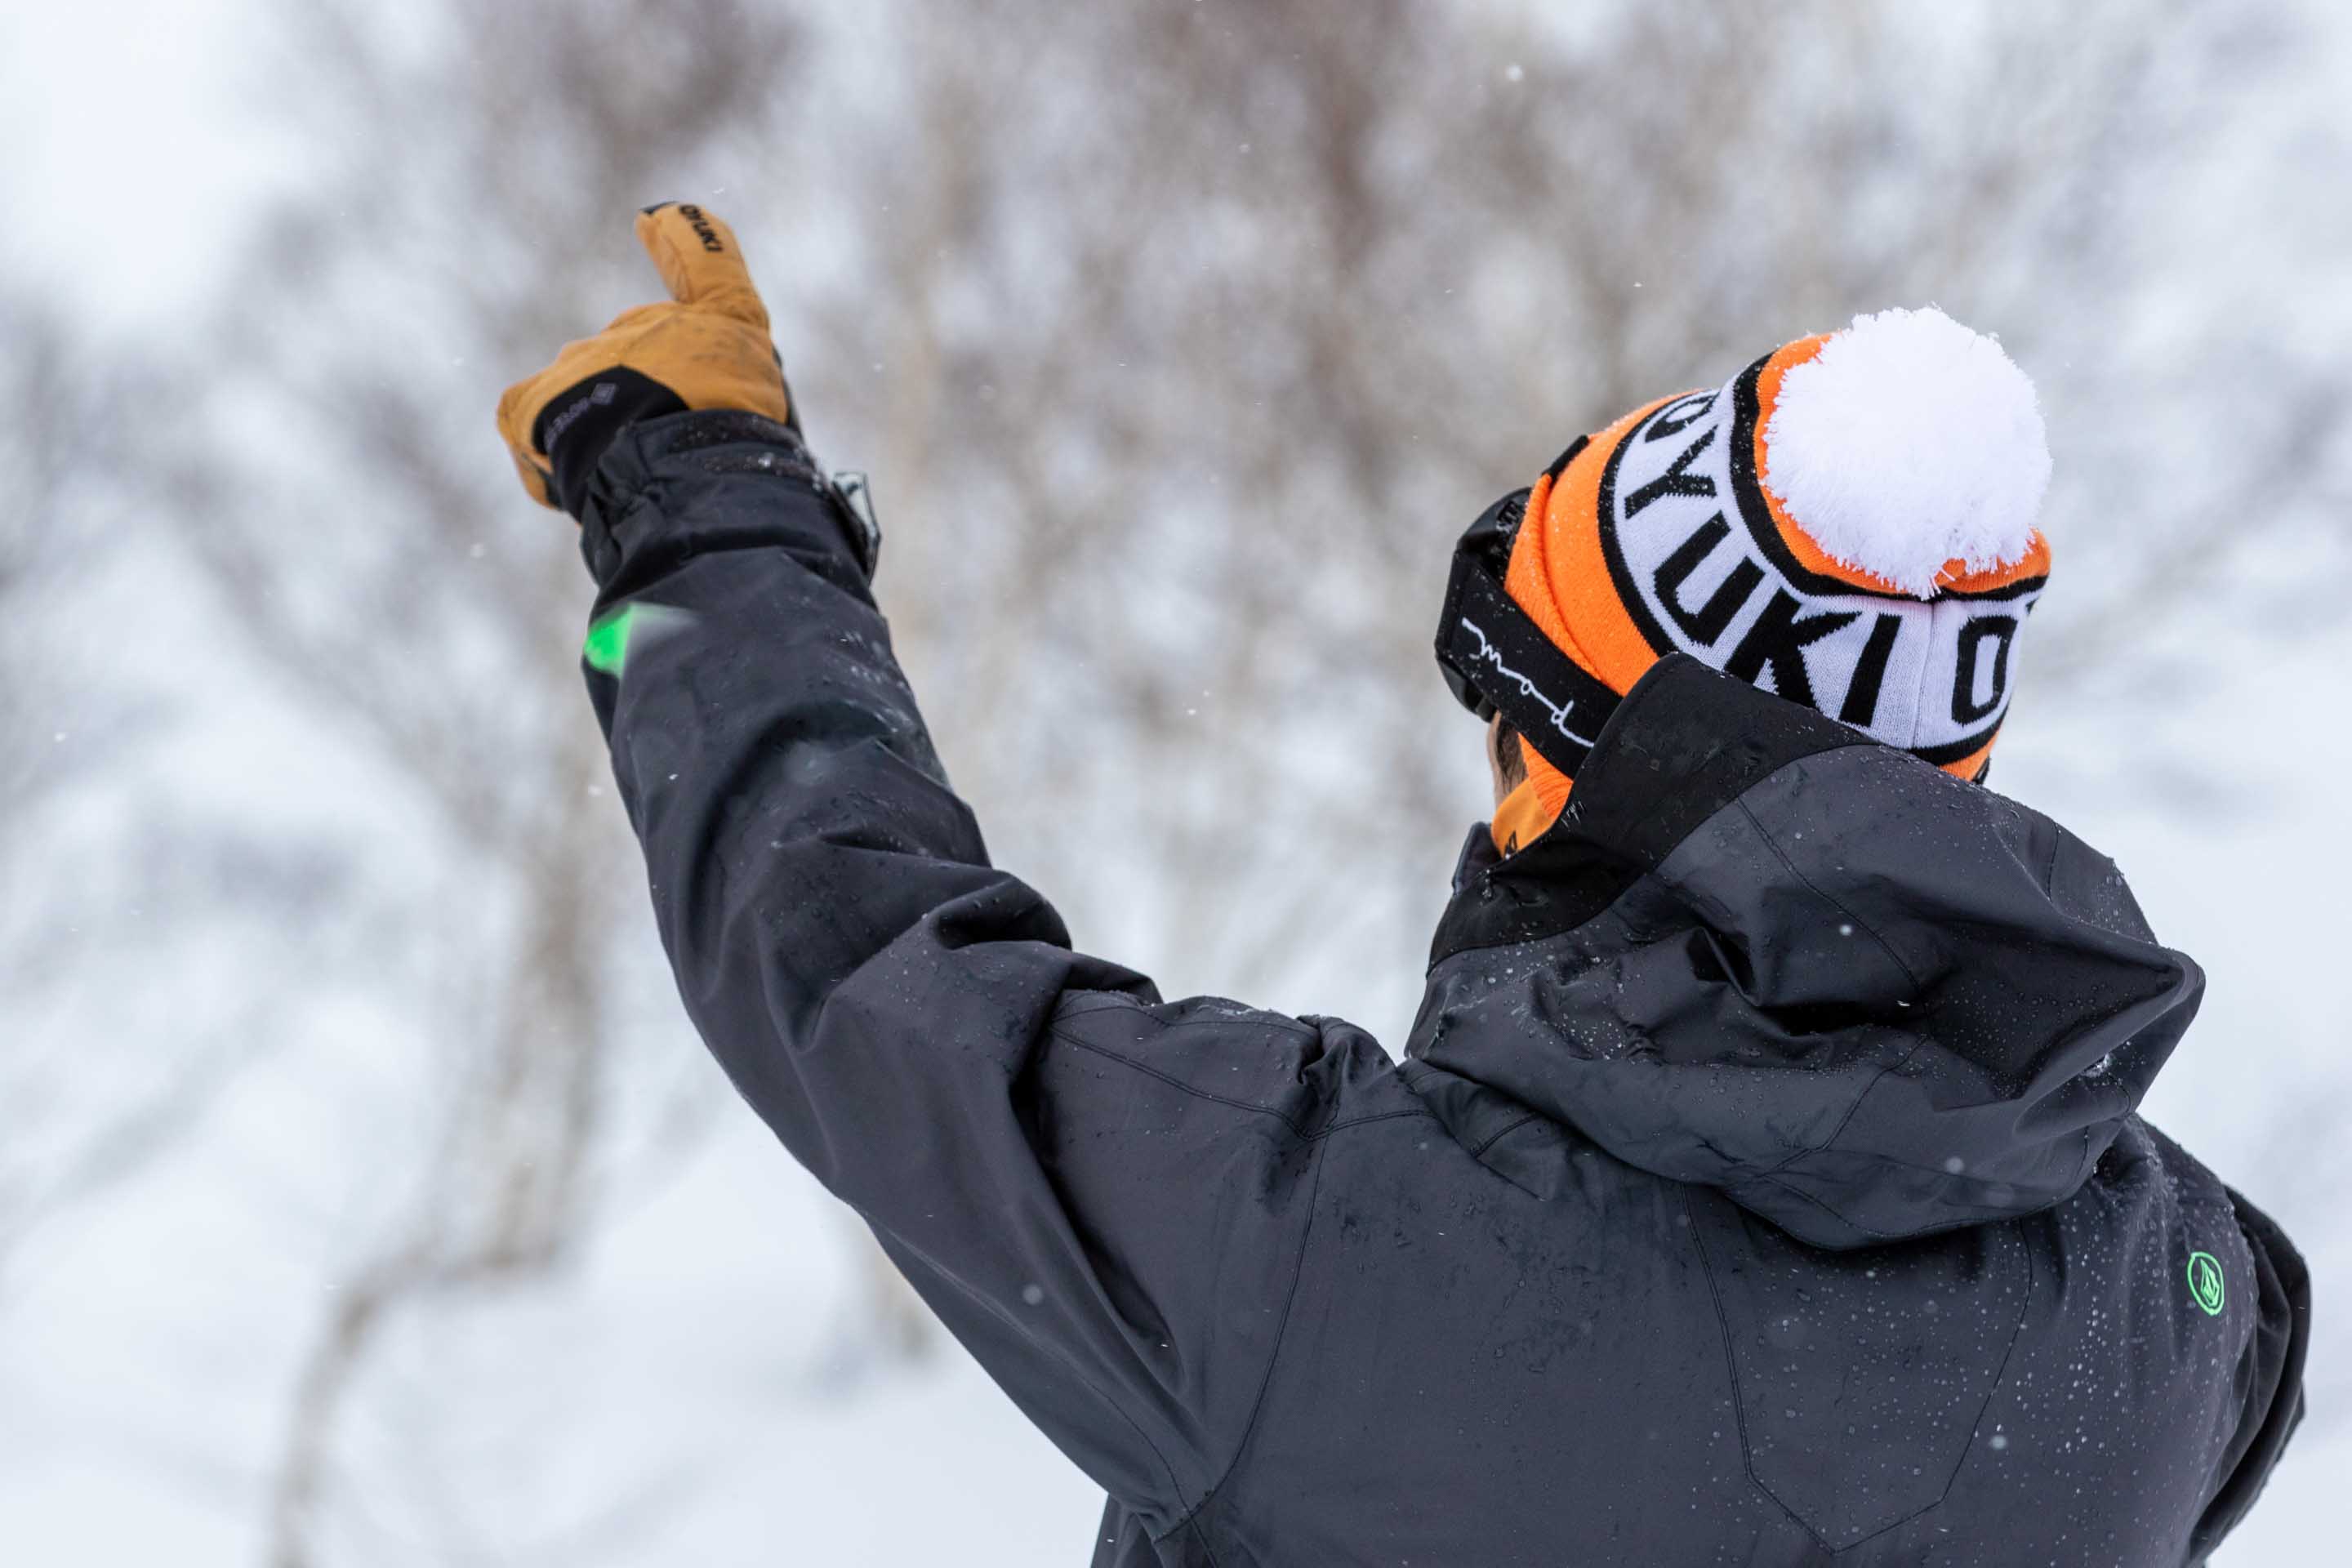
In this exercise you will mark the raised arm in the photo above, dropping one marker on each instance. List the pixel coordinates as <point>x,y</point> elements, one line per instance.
<point>1102,1197</point>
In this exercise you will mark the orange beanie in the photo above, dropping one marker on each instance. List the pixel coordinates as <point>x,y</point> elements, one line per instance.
<point>1849,524</point>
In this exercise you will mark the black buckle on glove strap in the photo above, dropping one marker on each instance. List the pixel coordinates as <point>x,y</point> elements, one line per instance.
<point>852,498</point>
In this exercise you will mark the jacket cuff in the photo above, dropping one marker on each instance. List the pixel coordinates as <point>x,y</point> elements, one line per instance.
<point>678,453</point>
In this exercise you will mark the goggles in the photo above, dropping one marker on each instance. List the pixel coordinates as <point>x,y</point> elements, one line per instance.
<point>1496,660</point>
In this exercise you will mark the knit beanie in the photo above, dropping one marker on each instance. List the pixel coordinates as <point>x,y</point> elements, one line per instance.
<point>1848,524</point>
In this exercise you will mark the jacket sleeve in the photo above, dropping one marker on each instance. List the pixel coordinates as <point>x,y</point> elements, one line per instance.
<point>1102,1197</point>
<point>2269,1381</point>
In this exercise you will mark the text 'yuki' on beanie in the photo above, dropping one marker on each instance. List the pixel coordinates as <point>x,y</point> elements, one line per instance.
<point>1849,524</point>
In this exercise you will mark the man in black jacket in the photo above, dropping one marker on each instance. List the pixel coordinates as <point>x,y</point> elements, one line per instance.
<point>1761,1185</point>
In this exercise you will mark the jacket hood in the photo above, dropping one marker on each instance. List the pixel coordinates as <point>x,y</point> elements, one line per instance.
<point>1862,998</point>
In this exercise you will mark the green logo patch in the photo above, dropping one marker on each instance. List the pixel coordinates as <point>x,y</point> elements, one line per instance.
<point>619,635</point>
<point>2205,1286</point>
<point>607,648</point>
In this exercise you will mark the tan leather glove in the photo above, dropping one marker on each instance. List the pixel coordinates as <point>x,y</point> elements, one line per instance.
<point>707,348</point>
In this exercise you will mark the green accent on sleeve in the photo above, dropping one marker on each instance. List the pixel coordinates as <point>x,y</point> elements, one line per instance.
<point>2205,1286</point>
<point>608,647</point>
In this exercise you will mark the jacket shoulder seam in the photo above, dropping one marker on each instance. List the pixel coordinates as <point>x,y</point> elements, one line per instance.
<point>1172,1081</point>
<point>1116,1001</point>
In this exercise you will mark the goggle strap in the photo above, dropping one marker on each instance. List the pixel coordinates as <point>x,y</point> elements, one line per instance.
<point>1555,705</point>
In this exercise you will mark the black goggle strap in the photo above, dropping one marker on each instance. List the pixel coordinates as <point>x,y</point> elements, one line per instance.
<point>1497,650</point>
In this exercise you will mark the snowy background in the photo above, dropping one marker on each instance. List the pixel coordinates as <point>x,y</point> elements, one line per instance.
<point>363,1197</point>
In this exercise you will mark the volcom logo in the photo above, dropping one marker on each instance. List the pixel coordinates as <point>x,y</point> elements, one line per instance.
<point>602,393</point>
<point>703,231</point>
<point>2205,1283</point>
<point>1560,712</point>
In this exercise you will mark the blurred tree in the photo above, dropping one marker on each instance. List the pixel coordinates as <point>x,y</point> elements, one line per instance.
<point>66,1132</point>
<point>48,427</point>
<point>469,166</point>
<point>45,425</point>
<point>1198,329</point>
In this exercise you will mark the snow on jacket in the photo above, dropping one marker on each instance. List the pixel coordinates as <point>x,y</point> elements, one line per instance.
<point>1761,1185</point>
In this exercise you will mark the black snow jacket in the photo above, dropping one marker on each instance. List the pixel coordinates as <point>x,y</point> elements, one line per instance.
<point>1761,1185</point>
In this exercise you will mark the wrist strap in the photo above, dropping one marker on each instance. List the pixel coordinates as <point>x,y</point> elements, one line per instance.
<point>580,424</point>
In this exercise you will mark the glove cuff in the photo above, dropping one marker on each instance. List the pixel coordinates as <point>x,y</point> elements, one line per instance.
<point>580,424</point>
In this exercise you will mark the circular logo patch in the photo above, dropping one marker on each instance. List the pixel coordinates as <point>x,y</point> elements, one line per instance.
<point>2205,1282</point>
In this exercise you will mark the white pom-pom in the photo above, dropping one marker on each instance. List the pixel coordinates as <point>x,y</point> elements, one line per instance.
<point>1909,442</point>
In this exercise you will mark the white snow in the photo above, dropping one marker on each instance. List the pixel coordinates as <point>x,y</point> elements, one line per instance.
<point>1910,441</point>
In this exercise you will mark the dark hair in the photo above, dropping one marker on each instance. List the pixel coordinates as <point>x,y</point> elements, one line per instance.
<point>1512,761</point>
